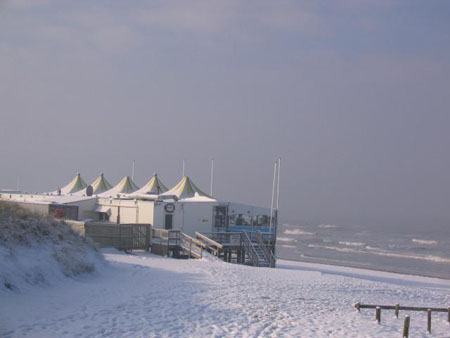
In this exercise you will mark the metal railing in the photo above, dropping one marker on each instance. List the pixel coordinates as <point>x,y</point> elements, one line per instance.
<point>269,254</point>
<point>255,245</point>
<point>247,244</point>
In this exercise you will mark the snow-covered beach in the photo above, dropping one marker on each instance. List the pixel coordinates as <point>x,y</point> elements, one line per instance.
<point>143,295</point>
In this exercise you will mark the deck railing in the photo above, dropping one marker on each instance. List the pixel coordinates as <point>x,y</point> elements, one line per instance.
<point>190,245</point>
<point>174,239</point>
<point>208,244</point>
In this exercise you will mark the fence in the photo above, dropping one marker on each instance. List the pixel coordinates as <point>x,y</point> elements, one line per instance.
<point>120,236</point>
<point>397,309</point>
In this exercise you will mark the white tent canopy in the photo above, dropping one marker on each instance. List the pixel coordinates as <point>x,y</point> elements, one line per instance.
<point>153,187</point>
<point>125,186</point>
<point>187,190</point>
<point>74,186</point>
<point>99,186</point>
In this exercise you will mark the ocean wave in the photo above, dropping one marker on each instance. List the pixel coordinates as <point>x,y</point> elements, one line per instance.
<point>285,239</point>
<point>292,225</point>
<point>424,241</point>
<point>380,252</point>
<point>288,246</point>
<point>298,232</point>
<point>327,226</point>
<point>352,243</point>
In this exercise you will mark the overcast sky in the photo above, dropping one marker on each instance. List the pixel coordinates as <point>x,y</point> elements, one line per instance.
<point>353,95</point>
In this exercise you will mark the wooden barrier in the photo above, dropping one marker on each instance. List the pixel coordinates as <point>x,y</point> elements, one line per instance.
<point>119,236</point>
<point>397,309</point>
<point>406,327</point>
<point>404,308</point>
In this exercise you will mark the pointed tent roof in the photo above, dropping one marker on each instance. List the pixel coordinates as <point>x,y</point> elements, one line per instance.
<point>125,186</point>
<point>152,187</point>
<point>99,186</point>
<point>75,185</point>
<point>186,189</point>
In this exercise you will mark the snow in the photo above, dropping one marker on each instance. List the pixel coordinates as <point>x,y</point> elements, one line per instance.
<point>143,295</point>
<point>38,250</point>
<point>198,198</point>
<point>47,198</point>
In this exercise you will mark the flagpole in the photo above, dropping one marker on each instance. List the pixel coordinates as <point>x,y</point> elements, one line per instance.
<point>273,194</point>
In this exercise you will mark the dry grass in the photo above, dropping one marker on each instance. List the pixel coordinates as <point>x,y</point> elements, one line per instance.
<point>21,229</point>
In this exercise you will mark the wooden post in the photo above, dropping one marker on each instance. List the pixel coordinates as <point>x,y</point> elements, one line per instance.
<point>358,307</point>
<point>448,314</point>
<point>406,327</point>
<point>378,314</point>
<point>429,320</point>
<point>120,237</point>
<point>147,237</point>
<point>168,251</point>
<point>190,248</point>
<point>397,309</point>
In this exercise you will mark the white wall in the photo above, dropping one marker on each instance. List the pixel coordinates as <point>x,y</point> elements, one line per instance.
<point>188,217</point>
<point>145,213</point>
<point>131,211</point>
<point>85,208</point>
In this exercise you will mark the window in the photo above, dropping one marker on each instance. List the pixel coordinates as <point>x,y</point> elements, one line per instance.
<point>220,214</point>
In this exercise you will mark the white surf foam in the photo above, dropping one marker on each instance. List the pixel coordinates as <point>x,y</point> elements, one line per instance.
<point>424,241</point>
<point>327,226</point>
<point>285,239</point>
<point>374,251</point>
<point>298,232</point>
<point>352,243</point>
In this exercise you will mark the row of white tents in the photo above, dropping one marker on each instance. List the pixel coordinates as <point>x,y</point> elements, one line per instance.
<point>185,189</point>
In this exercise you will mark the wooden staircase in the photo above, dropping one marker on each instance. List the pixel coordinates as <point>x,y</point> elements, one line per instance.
<point>191,246</point>
<point>239,247</point>
<point>176,244</point>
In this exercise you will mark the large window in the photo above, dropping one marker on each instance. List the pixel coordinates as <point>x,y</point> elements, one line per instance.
<point>220,214</point>
<point>261,220</point>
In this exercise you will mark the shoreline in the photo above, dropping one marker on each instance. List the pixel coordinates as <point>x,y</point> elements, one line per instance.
<point>329,263</point>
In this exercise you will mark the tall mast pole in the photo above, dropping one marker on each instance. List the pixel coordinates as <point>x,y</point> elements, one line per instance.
<point>184,164</point>
<point>212,177</point>
<point>132,170</point>
<point>278,183</point>
<point>273,194</point>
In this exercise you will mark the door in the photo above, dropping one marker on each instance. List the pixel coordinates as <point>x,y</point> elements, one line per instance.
<point>168,222</point>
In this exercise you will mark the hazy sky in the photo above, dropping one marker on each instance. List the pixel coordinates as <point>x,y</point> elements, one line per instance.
<point>353,95</point>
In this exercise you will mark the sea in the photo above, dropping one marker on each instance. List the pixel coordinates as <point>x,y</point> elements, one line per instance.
<point>419,251</point>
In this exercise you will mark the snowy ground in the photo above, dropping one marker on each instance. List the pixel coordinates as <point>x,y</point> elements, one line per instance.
<point>144,295</point>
